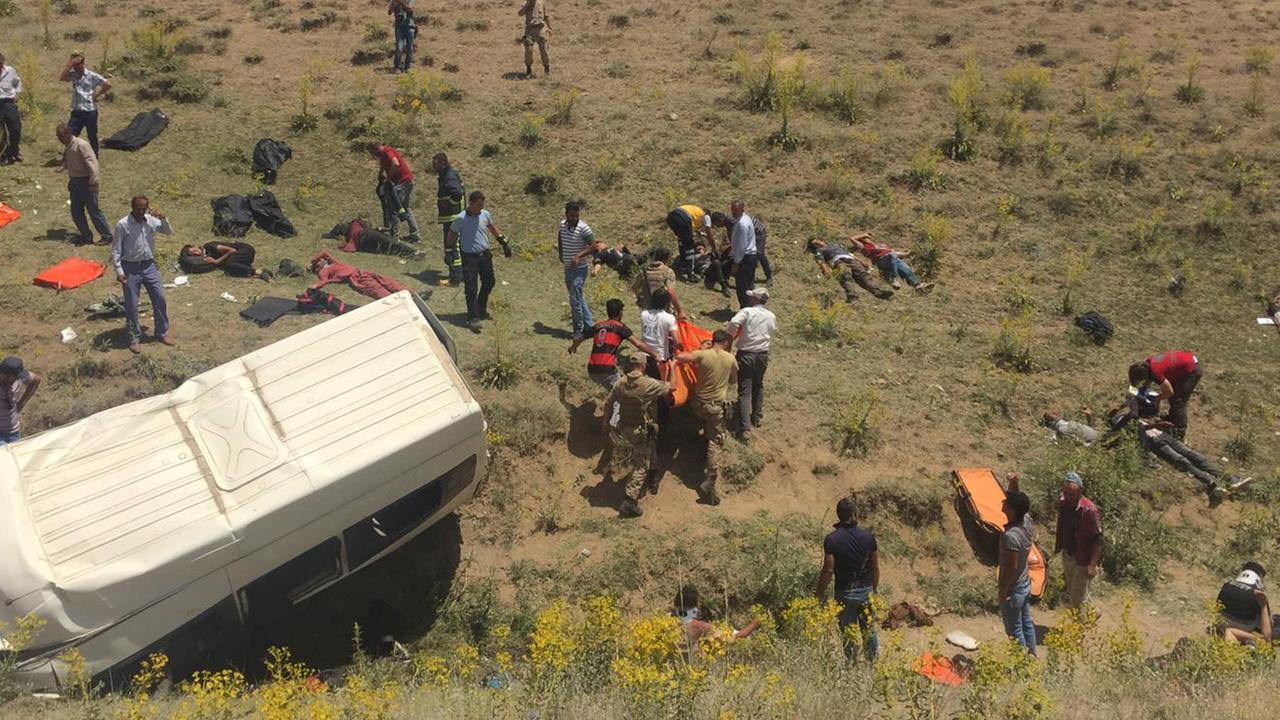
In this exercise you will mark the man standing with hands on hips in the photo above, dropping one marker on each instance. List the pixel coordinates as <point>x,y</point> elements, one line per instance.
<point>133,255</point>
<point>87,87</point>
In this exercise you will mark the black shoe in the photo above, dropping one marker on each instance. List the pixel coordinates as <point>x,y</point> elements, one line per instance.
<point>474,325</point>
<point>628,508</point>
<point>266,275</point>
<point>707,493</point>
<point>528,71</point>
<point>546,69</point>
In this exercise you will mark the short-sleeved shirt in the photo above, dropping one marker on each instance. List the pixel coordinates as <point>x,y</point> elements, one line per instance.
<point>9,397</point>
<point>699,218</point>
<point>851,547</point>
<point>833,254</point>
<point>755,325</point>
<point>715,370</point>
<point>1019,539</point>
<point>656,326</point>
<point>573,240</point>
<point>1173,366</point>
<point>83,85</point>
<point>472,231</point>
<point>875,251</point>
<point>394,166</point>
<point>606,337</point>
<point>1079,529</point>
<point>535,12</point>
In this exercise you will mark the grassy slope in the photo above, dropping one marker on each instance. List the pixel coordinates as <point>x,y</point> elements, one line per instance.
<point>675,124</point>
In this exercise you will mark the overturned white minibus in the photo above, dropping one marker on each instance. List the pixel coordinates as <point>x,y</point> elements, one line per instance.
<point>167,524</point>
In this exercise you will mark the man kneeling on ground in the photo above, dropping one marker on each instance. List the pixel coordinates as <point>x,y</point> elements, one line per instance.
<point>1246,614</point>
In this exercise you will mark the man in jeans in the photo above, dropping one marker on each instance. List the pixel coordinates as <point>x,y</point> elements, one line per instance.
<point>742,251</point>
<point>572,237</point>
<point>406,29</point>
<point>133,255</point>
<point>81,165</point>
<point>1079,539</point>
<point>87,87</point>
<point>889,262</point>
<point>17,385</point>
<point>394,190</point>
<point>851,555</point>
<point>470,233</point>
<point>754,327</point>
<point>1014,581</point>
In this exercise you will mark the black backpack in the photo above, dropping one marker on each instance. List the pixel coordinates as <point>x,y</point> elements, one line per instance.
<point>1098,327</point>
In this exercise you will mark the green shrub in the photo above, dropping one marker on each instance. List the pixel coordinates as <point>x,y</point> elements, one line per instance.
<point>8,8</point>
<point>544,184</point>
<point>1189,93</point>
<point>617,69</point>
<point>757,74</point>
<point>967,95</point>
<point>934,235</point>
<point>962,145</point>
<point>842,97</point>
<point>910,502</point>
<point>1012,349</point>
<point>741,466</point>
<point>525,419</point>
<point>1215,217</point>
<point>817,322</point>
<point>1126,155</point>
<point>564,102</point>
<point>1026,87</point>
<point>608,171</point>
<point>891,78</point>
<point>855,425</point>
<point>923,173</point>
<point>1011,130</point>
<point>530,133</point>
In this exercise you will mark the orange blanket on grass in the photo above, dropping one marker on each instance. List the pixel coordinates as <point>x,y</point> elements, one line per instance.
<point>685,377</point>
<point>70,273</point>
<point>8,214</point>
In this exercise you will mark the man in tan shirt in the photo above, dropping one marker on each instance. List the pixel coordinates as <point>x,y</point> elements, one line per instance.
<point>636,395</point>
<point>81,166</point>
<point>717,373</point>
<point>537,25</point>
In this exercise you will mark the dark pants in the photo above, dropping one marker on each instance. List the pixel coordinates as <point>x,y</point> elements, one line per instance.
<point>84,200</point>
<point>662,408</point>
<point>751,369</point>
<point>682,225</point>
<point>1171,450</point>
<point>239,263</point>
<point>12,121</point>
<point>716,274</point>
<point>403,59</point>
<point>1178,403</point>
<point>852,272</point>
<point>372,241</point>
<point>764,260</point>
<point>148,275</point>
<point>745,279</point>
<point>85,120</point>
<point>477,277</point>
<point>452,258</point>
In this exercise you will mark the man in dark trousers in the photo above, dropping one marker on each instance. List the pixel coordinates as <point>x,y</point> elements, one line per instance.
<point>851,555</point>
<point>449,194</point>
<point>471,232</point>
<point>87,87</point>
<point>1176,373</point>
<point>10,117</point>
<point>742,250</point>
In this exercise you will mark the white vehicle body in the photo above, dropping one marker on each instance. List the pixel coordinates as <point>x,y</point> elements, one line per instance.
<point>163,524</point>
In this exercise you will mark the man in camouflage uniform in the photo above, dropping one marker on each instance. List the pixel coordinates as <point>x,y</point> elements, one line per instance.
<point>717,371</point>
<point>635,394</point>
<point>537,26</point>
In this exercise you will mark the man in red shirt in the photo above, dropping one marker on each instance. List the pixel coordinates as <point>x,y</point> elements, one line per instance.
<point>394,189</point>
<point>1176,373</point>
<point>889,262</point>
<point>606,340</point>
<point>1079,539</point>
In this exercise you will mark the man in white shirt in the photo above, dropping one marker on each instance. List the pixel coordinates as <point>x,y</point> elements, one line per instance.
<point>742,251</point>
<point>133,256</point>
<point>87,87</point>
<point>658,331</point>
<point>572,238</point>
<point>10,117</point>
<point>754,327</point>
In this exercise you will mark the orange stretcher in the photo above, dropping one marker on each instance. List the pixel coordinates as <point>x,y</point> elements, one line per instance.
<point>939,669</point>
<point>8,214</point>
<point>70,273</point>
<point>983,497</point>
<point>684,377</point>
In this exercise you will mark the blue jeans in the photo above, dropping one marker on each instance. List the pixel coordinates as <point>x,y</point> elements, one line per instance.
<point>404,47</point>
<point>854,610</point>
<point>85,120</point>
<point>85,200</point>
<point>1016,614</point>
<point>148,275</point>
<point>6,438</point>
<point>892,266</point>
<point>574,279</point>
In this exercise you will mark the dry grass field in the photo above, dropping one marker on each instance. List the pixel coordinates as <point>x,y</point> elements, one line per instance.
<point>1050,156</point>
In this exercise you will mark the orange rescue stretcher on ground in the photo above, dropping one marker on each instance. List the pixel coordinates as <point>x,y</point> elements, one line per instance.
<point>684,377</point>
<point>983,498</point>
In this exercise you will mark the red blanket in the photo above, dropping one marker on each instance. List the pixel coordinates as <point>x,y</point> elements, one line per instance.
<point>8,214</point>
<point>70,273</point>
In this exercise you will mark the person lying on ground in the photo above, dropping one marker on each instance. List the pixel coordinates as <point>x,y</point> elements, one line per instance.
<point>657,275</point>
<point>233,258</point>
<point>848,269</point>
<point>687,609</point>
<point>365,282</point>
<point>617,258</point>
<point>890,262</point>
<point>1082,432</point>
<point>1155,436</point>
<point>1245,614</point>
<point>358,236</point>
<point>713,267</point>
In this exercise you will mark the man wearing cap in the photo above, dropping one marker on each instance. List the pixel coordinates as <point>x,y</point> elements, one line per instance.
<point>1079,539</point>
<point>753,326</point>
<point>1245,610</point>
<point>634,397</point>
<point>1176,374</point>
<point>717,372</point>
<point>17,385</point>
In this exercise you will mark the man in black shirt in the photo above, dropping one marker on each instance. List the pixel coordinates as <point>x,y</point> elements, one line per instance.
<point>851,555</point>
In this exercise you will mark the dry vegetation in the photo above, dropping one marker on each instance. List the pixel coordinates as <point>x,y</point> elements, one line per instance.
<point>1041,158</point>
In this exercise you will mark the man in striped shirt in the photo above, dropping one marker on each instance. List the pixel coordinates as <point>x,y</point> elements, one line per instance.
<point>574,236</point>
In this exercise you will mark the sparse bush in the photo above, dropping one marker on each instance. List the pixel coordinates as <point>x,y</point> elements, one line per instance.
<point>476,25</point>
<point>488,150</point>
<point>372,55</point>
<point>1215,216</point>
<point>1149,232</point>
<point>890,80</point>
<point>618,22</point>
<point>1255,102</point>
<point>1257,59</point>
<point>962,146</point>
<point>1026,87</point>
<point>1012,349</point>
<point>819,322</point>
<point>218,33</point>
<point>835,184</point>
<point>923,173</point>
<point>790,87</point>
<point>741,465</point>
<point>911,503</point>
<point>1011,130</point>
<point>563,103</point>
<point>1112,74</point>
<point>253,59</point>
<point>526,420</point>
<point>304,121</point>
<point>544,184</point>
<point>8,8</point>
<point>935,234</point>
<point>757,74</point>
<point>422,91</point>
<point>617,69</point>
<point>530,133</point>
<point>855,425</point>
<point>18,637</point>
<point>1125,157</point>
<point>1189,93</point>
<point>963,595</point>
<point>375,32</point>
<point>842,96</point>
<point>608,171</point>
<point>189,46</point>
<point>967,95</point>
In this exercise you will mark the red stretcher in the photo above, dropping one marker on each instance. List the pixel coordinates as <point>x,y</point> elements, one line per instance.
<point>983,497</point>
<point>70,273</point>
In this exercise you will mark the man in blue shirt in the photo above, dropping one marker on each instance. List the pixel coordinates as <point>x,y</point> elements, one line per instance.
<point>470,234</point>
<point>133,256</point>
<point>87,87</point>
<point>852,556</point>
